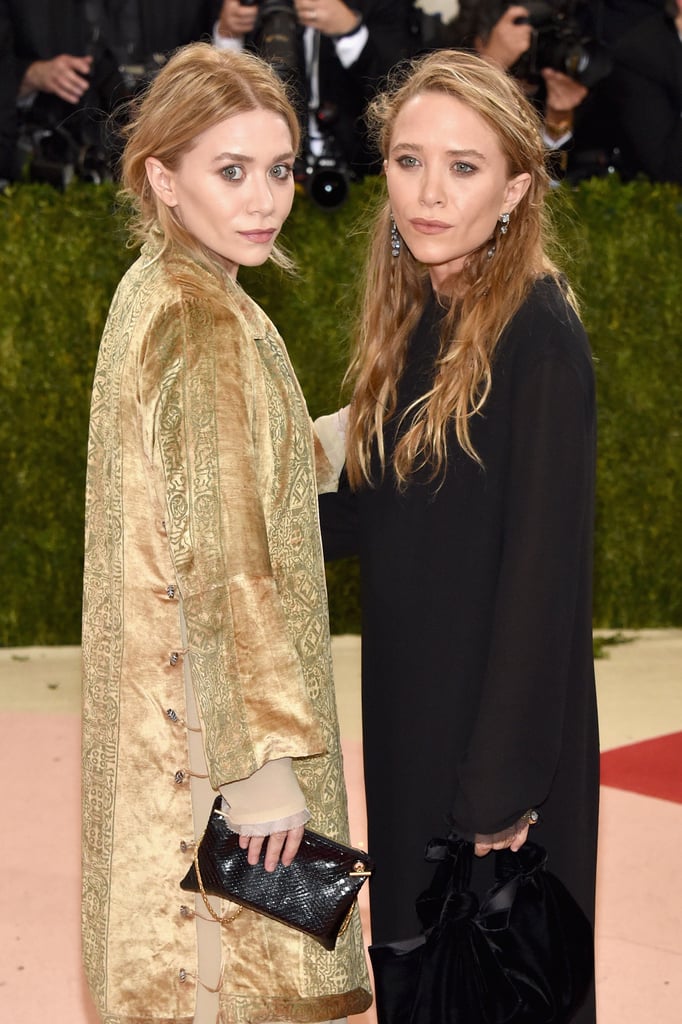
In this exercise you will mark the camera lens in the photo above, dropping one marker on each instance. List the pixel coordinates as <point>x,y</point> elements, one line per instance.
<point>328,188</point>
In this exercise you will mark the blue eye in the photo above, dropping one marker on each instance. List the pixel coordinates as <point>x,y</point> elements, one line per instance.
<point>233,172</point>
<point>408,161</point>
<point>282,171</point>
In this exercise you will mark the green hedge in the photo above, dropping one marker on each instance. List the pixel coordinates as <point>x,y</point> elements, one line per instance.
<point>62,255</point>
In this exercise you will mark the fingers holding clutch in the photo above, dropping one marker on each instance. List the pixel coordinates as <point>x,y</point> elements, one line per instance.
<point>280,846</point>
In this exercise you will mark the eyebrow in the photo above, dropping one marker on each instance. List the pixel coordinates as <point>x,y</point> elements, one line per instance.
<point>414,147</point>
<point>241,158</point>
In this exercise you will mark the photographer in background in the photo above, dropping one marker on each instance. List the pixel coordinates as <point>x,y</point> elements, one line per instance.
<point>70,62</point>
<point>636,116</point>
<point>537,43</point>
<point>337,54</point>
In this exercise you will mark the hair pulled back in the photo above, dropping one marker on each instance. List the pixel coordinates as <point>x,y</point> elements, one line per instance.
<point>198,87</point>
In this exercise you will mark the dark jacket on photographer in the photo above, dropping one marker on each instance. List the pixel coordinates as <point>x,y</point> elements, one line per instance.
<point>632,122</point>
<point>644,99</point>
<point>345,91</point>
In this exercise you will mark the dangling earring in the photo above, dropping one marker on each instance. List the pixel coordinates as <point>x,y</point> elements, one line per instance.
<point>504,223</point>
<point>395,239</point>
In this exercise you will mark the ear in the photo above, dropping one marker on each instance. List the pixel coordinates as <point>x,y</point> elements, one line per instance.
<point>161,180</point>
<point>515,191</point>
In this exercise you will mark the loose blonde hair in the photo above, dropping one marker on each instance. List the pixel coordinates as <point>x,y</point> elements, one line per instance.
<point>489,289</point>
<point>197,88</point>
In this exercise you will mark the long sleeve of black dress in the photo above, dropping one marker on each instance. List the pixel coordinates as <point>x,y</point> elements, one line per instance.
<point>515,744</point>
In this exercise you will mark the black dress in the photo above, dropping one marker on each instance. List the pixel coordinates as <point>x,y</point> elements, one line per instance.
<point>478,688</point>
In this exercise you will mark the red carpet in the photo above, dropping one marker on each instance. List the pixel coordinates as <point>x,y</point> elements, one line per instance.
<point>651,767</point>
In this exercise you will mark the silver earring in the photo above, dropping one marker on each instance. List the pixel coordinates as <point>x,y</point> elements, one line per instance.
<point>395,239</point>
<point>504,223</point>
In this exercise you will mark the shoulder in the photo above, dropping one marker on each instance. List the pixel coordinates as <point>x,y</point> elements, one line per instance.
<point>547,327</point>
<point>184,311</point>
<point>545,348</point>
<point>182,286</point>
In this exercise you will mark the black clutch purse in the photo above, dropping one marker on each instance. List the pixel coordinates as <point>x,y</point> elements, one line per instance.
<point>522,955</point>
<point>315,894</point>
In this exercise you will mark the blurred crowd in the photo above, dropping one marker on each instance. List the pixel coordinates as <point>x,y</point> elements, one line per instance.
<point>606,76</point>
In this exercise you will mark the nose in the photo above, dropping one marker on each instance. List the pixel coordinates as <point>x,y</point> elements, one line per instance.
<point>261,199</point>
<point>432,190</point>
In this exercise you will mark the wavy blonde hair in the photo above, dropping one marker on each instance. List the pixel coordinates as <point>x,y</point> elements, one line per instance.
<point>197,88</point>
<point>488,290</point>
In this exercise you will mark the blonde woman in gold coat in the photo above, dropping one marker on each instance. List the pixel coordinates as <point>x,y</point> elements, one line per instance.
<point>206,649</point>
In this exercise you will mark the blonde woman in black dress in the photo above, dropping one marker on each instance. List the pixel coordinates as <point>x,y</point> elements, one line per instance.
<point>468,494</point>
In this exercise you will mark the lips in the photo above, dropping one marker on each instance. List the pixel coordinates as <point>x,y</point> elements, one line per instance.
<point>430,227</point>
<point>259,237</point>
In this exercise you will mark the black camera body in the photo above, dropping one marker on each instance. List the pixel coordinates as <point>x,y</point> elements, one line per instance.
<point>562,41</point>
<point>277,28</point>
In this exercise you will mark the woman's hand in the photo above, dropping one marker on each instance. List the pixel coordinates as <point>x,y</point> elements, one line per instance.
<point>280,846</point>
<point>267,807</point>
<point>511,838</point>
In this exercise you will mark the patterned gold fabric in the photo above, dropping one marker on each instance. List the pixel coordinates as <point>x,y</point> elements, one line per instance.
<point>201,495</point>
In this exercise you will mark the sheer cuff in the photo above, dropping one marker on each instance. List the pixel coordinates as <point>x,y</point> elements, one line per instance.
<point>266,828</point>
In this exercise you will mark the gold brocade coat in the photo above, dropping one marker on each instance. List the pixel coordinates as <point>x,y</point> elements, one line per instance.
<point>201,521</point>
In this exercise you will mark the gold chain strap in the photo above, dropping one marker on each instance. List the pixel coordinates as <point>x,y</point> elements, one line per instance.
<point>224,919</point>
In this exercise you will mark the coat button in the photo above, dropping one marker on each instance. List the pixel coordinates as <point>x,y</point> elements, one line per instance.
<point>173,715</point>
<point>174,658</point>
<point>170,590</point>
<point>185,911</point>
<point>182,975</point>
<point>179,777</point>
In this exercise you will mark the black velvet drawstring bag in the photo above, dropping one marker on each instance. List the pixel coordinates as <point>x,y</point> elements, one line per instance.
<point>522,954</point>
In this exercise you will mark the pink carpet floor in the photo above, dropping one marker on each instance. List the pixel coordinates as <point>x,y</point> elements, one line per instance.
<point>639,933</point>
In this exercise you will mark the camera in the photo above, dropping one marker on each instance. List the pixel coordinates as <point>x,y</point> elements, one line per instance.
<point>560,41</point>
<point>58,143</point>
<point>326,177</point>
<point>55,157</point>
<point>277,30</point>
